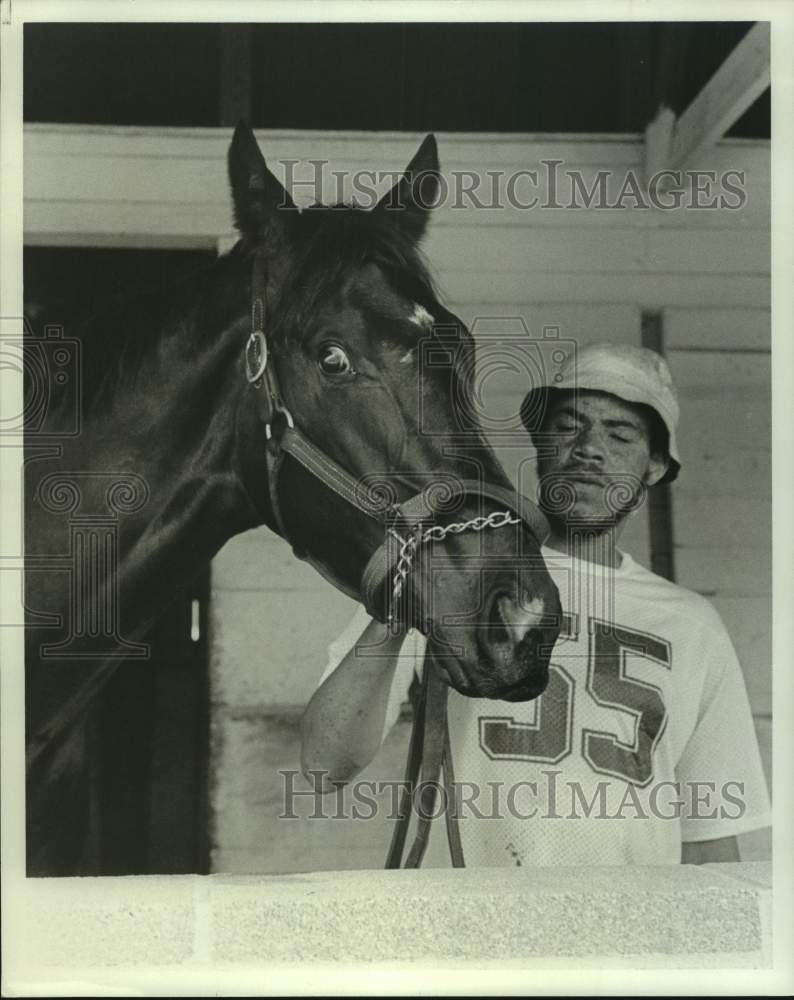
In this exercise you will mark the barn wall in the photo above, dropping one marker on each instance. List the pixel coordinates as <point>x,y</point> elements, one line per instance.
<point>591,277</point>
<point>588,272</point>
<point>720,359</point>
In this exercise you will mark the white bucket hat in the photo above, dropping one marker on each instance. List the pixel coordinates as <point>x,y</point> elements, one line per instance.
<point>634,374</point>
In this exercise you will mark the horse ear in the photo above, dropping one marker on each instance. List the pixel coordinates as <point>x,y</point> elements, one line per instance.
<point>256,192</point>
<point>412,197</point>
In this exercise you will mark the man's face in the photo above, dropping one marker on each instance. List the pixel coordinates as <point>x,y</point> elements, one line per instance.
<point>603,458</point>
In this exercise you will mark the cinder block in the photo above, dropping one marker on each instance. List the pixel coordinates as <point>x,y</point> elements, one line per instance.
<point>733,571</point>
<point>258,826</point>
<point>725,410</point>
<point>714,466</point>
<point>749,624</point>
<point>682,913</point>
<point>755,873</point>
<point>133,921</point>
<point>259,560</point>
<point>111,930</point>
<point>721,519</point>
<point>271,648</point>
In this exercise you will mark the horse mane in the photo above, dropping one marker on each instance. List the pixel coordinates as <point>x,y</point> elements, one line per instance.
<point>119,331</point>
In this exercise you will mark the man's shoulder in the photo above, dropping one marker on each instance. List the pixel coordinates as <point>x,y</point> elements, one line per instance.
<point>643,583</point>
<point>632,578</point>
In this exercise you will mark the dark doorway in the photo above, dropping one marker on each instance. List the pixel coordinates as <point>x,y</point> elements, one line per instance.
<point>150,795</point>
<point>150,744</point>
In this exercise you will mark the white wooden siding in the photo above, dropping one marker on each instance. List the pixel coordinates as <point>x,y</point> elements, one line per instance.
<point>589,272</point>
<point>722,504</point>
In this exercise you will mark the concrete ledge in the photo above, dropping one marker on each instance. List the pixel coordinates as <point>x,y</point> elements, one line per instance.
<point>673,917</point>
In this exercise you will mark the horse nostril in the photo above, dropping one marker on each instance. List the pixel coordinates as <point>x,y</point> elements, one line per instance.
<point>510,620</point>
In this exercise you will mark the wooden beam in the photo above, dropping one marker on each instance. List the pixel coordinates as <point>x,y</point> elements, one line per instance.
<point>659,142</point>
<point>660,500</point>
<point>671,52</point>
<point>739,81</point>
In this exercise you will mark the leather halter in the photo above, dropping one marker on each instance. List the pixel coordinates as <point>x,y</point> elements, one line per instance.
<point>429,750</point>
<point>285,439</point>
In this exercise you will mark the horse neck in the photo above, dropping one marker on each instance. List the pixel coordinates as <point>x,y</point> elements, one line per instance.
<point>175,426</point>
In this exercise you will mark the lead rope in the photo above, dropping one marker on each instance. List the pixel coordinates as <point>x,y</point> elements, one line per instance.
<point>412,768</point>
<point>450,813</point>
<point>435,714</point>
<point>429,751</point>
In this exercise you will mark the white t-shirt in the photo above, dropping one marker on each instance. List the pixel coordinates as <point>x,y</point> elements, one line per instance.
<point>643,738</point>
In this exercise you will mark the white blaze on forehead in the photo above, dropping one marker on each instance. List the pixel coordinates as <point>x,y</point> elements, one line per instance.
<point>420,316</point>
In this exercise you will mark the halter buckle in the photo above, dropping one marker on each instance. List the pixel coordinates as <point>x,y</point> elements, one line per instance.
<point>255,356</point>
<point>285,413</point>
<point>278,408</point>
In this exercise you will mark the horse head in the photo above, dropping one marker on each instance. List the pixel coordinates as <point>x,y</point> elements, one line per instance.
<point>355,361</point>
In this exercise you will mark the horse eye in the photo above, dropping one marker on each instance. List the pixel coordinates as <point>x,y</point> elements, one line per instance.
<point>334,361</point>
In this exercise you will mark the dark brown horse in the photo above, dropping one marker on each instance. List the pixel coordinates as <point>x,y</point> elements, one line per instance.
<point>164,432</point>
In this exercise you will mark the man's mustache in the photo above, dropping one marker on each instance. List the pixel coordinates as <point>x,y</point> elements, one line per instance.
<point>559,491</point>
<point>578,470</point>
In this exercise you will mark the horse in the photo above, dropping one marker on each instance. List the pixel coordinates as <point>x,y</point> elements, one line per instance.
<point>292,384</point>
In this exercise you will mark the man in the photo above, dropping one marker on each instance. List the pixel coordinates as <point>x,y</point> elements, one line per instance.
<point>642,748</point>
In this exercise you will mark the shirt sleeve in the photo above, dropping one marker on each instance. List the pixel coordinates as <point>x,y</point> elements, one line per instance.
<point>720,770</point>
<point>409,662</point>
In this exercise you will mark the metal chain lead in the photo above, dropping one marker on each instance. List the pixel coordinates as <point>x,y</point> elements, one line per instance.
<point>436,533</point>
<point>499,518</point>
